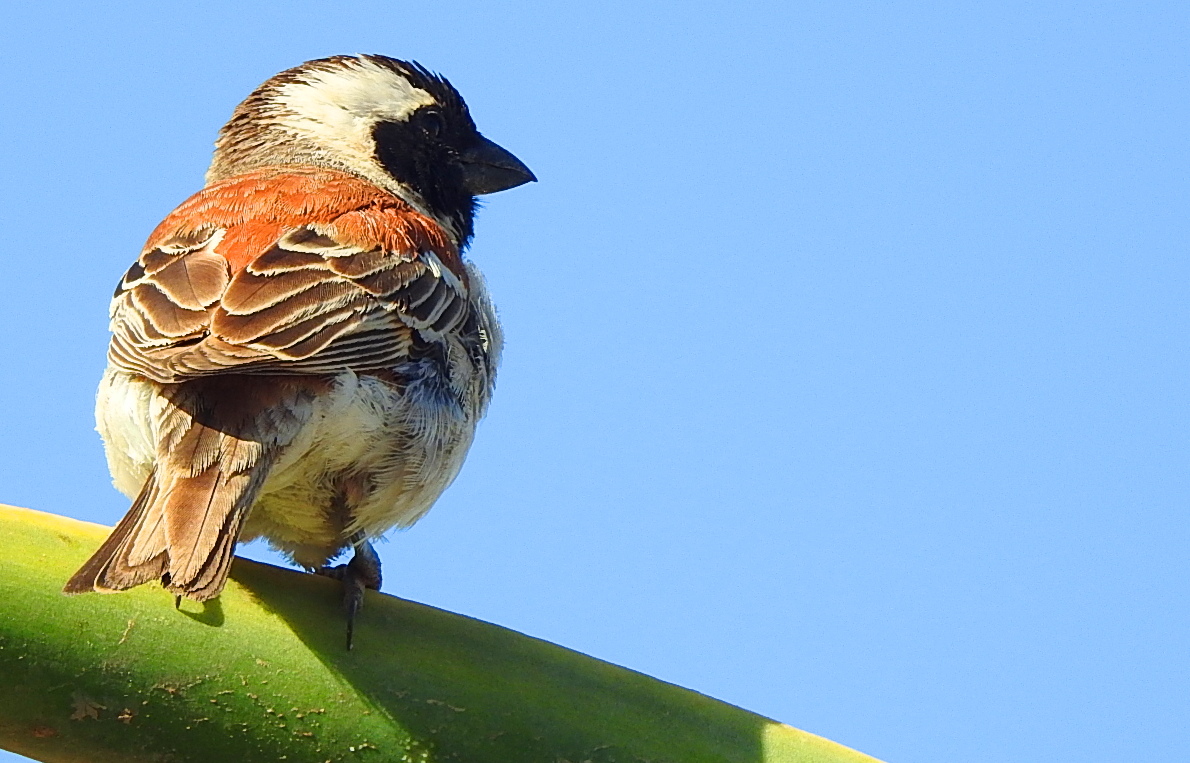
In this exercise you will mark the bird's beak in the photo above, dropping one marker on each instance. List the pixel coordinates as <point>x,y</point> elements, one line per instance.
<point>488,168</point>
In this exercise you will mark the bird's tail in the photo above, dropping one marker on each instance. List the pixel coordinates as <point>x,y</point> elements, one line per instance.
<point>214,454</point>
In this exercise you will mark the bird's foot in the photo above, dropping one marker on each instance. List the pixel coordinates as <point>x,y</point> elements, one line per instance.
<point>358,575</point>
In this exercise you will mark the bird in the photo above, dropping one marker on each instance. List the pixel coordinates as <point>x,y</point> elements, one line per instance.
<point>301,351</point>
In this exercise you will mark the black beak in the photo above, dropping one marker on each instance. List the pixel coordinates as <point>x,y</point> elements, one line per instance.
<point>487,168</point>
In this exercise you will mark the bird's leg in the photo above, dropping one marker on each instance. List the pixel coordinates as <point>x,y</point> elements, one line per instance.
<point>361,573</point>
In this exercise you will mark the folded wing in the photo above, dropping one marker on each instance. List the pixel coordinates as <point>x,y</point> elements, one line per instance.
<point>306,304</point>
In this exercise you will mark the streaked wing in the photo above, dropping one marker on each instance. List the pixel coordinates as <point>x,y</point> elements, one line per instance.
<point>306,304</point>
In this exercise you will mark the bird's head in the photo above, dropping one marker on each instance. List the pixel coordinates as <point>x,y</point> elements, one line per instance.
<point>391,122</point>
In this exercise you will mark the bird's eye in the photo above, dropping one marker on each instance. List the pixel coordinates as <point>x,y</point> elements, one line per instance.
<point>431,123</point>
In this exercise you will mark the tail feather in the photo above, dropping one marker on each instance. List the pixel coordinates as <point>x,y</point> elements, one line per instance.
<point>208,511</point>
<point>184,533</point>
<point>209,580</point>
<point>197,507</point>
<point>214,453</point>
<point>109,568</point>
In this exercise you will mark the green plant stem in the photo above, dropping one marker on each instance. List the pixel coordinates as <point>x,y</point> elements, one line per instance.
<point>261,674</point>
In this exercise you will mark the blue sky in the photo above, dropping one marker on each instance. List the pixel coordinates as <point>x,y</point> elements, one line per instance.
<point>846,366</point>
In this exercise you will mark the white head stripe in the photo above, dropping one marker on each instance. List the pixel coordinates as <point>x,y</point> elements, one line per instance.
<point>344,102</point>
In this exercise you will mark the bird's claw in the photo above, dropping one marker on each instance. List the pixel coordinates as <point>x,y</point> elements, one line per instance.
<point>358,575</point>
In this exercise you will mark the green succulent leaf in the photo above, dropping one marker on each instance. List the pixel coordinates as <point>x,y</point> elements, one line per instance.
<point>261,674</point>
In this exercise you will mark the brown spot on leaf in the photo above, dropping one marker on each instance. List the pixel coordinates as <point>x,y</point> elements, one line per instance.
<point>84,707</point>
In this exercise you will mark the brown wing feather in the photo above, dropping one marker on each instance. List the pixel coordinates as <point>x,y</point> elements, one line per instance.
<point>287,311</point>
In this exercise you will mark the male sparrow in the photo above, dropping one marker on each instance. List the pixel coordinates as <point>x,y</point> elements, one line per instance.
<point>301,353</point>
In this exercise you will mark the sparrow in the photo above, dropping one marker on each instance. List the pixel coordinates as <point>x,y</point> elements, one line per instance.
<point>301,353</point>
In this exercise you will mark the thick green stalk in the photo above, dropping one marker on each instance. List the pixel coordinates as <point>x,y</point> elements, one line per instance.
<point>261,674</point>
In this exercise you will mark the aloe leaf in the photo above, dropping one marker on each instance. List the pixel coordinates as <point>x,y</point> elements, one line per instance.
<point>261,674</point>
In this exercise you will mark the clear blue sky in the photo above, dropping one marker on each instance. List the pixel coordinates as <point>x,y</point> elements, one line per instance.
<point>846,369</point>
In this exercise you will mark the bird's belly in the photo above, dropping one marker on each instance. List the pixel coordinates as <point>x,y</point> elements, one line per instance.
<point>389,454</point>
<point>372,457</point>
